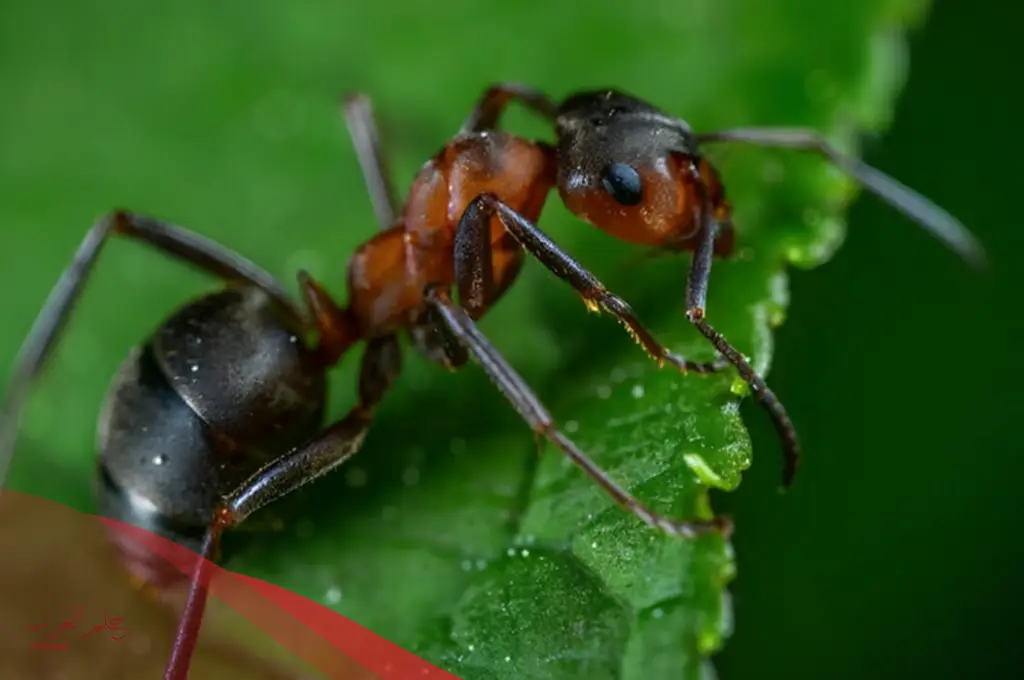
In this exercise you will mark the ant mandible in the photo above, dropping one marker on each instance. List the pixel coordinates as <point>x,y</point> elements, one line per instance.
<point>240,395</point>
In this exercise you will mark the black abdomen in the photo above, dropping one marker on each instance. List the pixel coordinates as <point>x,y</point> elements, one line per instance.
<point>224,385</point>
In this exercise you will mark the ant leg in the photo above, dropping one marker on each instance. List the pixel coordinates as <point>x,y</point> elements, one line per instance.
<point>696,299</point>
<point>489,108</point>
<point>336,329</point>
<point>172,240</point>
<point>358,112</point>
<point>474,274</point>
<point>934,219</point>
<point>435,345</point>
<point>522,398</point>
<point>362,127</point>
<point>381,364</point>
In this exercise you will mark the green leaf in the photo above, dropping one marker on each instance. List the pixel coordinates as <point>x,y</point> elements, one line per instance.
<point>448,534</point>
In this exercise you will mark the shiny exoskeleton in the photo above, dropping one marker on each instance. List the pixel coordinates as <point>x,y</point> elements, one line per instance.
<point>224,386</point>
<point>219,413</point>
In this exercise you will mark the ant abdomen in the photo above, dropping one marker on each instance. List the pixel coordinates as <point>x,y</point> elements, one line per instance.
<point>225,385</point>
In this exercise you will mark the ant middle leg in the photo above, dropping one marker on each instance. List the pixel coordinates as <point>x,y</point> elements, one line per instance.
<point>475,279</point>
<point>458,322</point>
<point>381,365</point>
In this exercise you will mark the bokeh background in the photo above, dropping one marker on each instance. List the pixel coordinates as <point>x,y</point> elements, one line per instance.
<point>897,553</point>
<point>903,373</point>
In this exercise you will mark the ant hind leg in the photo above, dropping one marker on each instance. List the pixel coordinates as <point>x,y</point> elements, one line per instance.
<point>174,241</point>
<point>335,445</point>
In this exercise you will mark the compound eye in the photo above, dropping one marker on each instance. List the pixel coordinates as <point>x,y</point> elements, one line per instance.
<point>623,183</point>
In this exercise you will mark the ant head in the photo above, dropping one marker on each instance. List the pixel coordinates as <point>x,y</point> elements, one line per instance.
<point>625,166</point>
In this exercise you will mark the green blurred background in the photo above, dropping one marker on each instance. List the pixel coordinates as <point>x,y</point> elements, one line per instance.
<point>896,554</point>
<point>899,556</point>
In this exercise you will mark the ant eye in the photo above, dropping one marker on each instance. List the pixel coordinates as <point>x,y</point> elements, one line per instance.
<point>623,183</point>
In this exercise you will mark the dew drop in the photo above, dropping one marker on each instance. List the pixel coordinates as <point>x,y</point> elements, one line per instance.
<point>471,648</point>
<point>739,387</point>
<point>657,613</point>
<point>511,552</point>
<point>160,459</point>
<point>572,427</point>
<point>704,472</point>
<point>604,391</point>
<point>333,595</point>
<point>594,545</point>
<point>618,375</point>
<point>467,565</point>
<point>524,552</point>
<point>195,368</point>
<point>481,564</point>
<point>638,391</point>
<point>508,658</point>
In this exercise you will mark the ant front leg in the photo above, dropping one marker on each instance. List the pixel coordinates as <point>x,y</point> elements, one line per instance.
<point>475,278</point>
<point>335,445</point>
<point>492,104</point>
<point>696,301</point>
<point>522,398</point>
<point>171,240</point>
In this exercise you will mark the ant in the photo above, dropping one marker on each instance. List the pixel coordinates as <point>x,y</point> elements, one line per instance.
<point>232,397</point>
